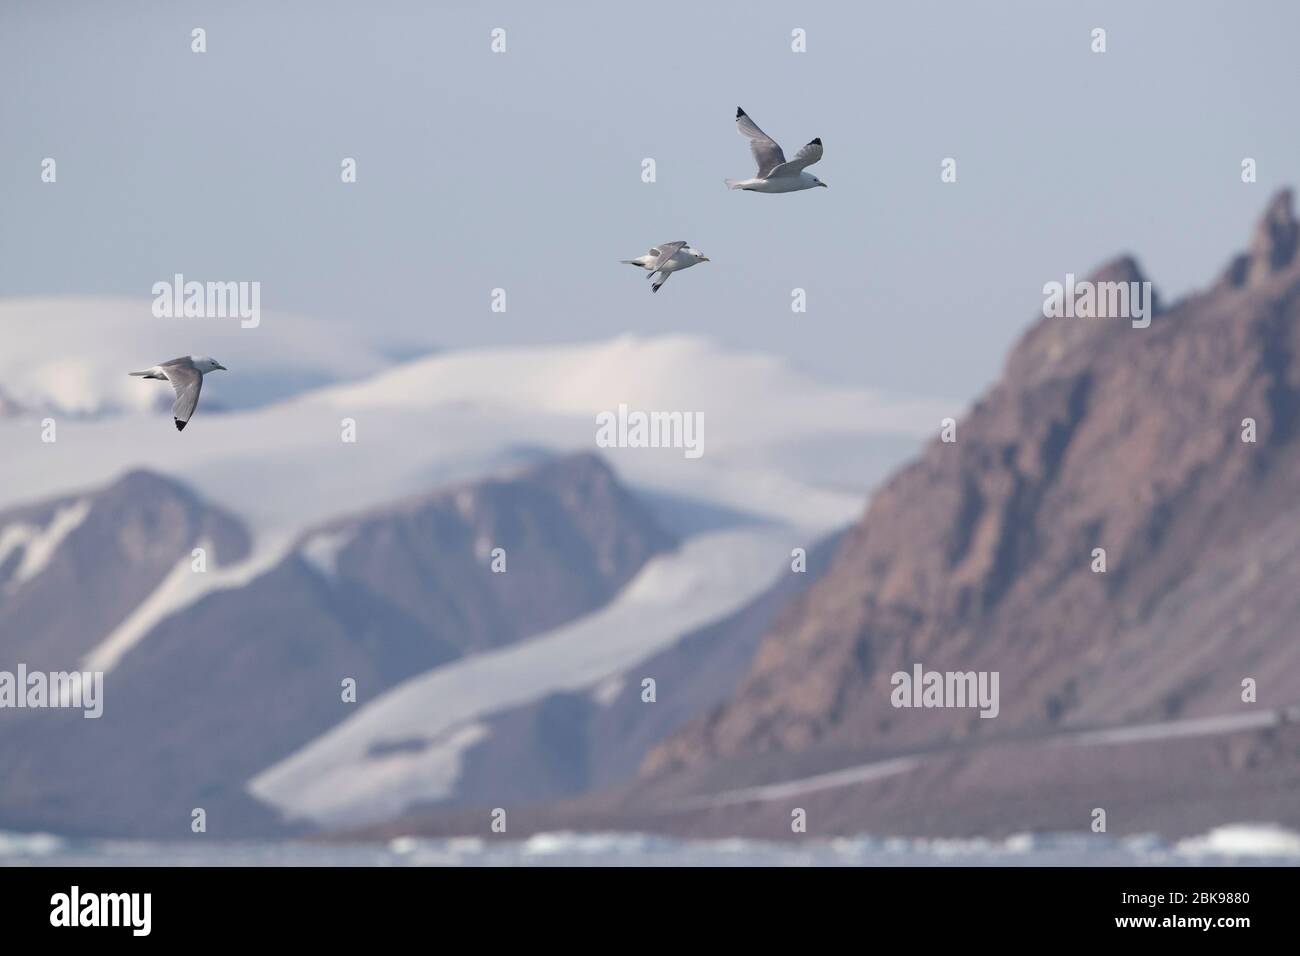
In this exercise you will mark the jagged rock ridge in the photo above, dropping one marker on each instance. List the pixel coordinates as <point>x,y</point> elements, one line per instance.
<point>977,556</point>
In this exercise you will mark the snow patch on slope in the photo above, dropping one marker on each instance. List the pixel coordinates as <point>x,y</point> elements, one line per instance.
<point>321,551</point>
<point>336,779</point>
<point>39,544</point>
<point>180,588</point>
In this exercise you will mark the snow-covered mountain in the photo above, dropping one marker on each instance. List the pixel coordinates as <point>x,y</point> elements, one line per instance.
<point>775,442</point>
<point>198,702</point>
<point>786,460</point>
<point>74,568</point>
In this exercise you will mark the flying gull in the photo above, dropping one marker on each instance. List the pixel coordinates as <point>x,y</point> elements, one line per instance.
<point>775,173</point>
<point>186,375</point>
<point>667,258</point>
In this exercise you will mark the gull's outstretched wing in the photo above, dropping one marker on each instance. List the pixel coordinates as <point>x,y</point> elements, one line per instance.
<point>766,152</point>
<point>805,157</point>
<point>187,380</point>
<point>665,250</point>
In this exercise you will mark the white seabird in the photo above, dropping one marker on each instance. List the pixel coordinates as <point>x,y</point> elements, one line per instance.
<point>775,173</point>
<point>667,258</point>
<point>186,375</point>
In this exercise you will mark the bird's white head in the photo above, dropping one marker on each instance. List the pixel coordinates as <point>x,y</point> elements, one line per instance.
<point>207,364</point>
<point>818,182</point>
<point>697,254</point>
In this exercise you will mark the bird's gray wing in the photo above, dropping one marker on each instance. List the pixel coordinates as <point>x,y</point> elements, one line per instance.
<point>187,380</point>
<point>805,157</point>
<point>666,251</point>
<point>766,152</point>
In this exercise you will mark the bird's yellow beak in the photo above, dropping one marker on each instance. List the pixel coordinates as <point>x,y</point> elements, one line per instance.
<point>704,258</point>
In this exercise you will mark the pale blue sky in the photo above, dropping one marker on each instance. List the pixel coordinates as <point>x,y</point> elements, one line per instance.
<point>522,170</point>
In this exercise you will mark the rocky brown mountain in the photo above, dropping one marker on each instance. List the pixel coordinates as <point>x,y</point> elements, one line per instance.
<point>979,556</point>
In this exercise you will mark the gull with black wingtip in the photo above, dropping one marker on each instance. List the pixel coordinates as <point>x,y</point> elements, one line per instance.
<point>667,258</point>
<point>776,174</point>
<point>186,375</point>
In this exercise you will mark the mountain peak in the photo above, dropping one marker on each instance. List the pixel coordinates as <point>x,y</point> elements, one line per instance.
<point>1055,344</point>
<point>147,480</point>
<point>1123,268</point>
<point>1273,244</point>
<point>1096,437</point>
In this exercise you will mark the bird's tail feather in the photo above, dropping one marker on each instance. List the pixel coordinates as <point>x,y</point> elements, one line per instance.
<point>733,183</point>
<point>629,262</point>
